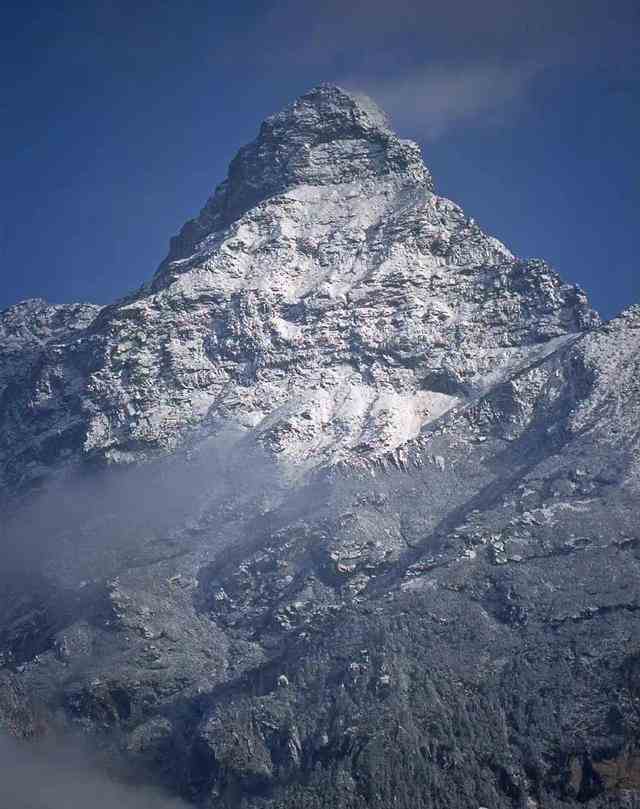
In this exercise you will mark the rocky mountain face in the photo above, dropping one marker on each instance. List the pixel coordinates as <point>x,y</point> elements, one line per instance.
<point>339,510</point>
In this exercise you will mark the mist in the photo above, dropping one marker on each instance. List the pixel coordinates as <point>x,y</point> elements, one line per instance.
<point>86,522</point>
<point>62,542</point>
<point>63,776</point>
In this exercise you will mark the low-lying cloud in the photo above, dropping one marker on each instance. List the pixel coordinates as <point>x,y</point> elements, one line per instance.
<point>91,521</point>
<point>43,776</point>
<point>58,549</point>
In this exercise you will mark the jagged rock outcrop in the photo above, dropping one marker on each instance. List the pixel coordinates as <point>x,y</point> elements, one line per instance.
<point>41,381</point>
<point>376,538</point>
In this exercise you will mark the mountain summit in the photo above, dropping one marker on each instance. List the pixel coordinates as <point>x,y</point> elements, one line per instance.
<point>340,509</point>
<point>326,137</point>
<point>323,277</point>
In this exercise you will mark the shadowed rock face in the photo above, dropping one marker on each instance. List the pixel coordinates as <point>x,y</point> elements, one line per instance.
<point>376,538</point>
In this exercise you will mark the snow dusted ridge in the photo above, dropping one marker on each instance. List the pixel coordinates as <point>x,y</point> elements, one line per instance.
<point>326,298</point>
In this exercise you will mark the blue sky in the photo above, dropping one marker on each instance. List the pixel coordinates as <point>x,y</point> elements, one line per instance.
<point>120,118</point>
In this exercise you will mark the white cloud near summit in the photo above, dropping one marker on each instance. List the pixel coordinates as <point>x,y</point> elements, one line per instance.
<point>441,64</point>
<point>426,103</point>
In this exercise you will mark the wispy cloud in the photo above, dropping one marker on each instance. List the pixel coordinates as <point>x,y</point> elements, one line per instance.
<point>429,101</point>
<point>433,66</point>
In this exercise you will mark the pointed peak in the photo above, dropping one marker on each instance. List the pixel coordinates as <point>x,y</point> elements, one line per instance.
<point>330,110</point>
<point>328,136</point>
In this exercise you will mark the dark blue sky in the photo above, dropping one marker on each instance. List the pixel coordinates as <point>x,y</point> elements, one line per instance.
<point>118,120</point>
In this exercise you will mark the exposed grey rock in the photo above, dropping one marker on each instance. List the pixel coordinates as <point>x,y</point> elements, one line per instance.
<point>408,573</point>
<point>41,366</point>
